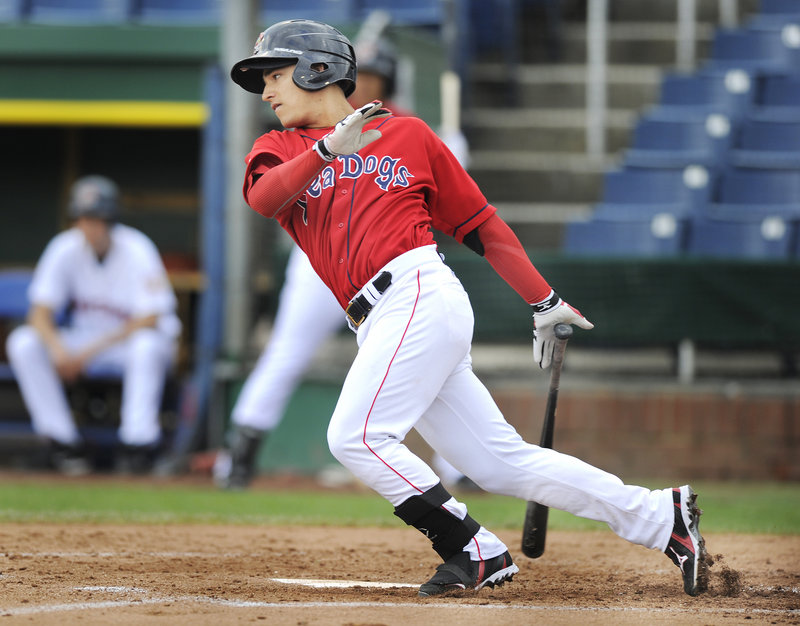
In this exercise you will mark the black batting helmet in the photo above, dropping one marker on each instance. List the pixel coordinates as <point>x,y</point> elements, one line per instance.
<point>94,196</point>
<point>306,43</point>
<point>379,58</point>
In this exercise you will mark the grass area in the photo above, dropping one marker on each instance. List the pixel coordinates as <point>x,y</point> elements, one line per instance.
<point>729,507</point>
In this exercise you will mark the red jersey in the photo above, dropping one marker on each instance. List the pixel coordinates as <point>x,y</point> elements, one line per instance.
<point>365,209</point>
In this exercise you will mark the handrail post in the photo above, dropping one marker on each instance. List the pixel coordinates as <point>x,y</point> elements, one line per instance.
<point>596,100</point>
<point>686,40</point>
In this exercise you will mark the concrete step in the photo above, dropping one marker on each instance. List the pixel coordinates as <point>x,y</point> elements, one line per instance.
<point>556,130</point>
<point>635,43</point>
<point>546,177</point>
<point>667,10</point>
<point>559,86</point>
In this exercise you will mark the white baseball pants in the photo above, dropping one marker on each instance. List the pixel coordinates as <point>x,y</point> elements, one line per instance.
<point>307,316</point>
<point>413,370</point>
<point>143,360</point>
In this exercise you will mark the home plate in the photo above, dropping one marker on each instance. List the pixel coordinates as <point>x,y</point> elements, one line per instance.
<point>319,583</point>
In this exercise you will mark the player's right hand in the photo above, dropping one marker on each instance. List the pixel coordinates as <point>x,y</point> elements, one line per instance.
<point>349,136</point>
<point>544,322</point>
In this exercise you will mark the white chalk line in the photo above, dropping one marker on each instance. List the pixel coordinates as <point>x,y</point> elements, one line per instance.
<point>156,599</point>
<point>169,555</point>
<point>319,583</point>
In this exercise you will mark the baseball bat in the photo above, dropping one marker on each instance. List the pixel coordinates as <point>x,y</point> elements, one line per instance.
<point>534,530</point>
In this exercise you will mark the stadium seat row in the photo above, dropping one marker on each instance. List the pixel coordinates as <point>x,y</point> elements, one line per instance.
<point>195,12</point>
<point>738,213</point>
<point>713,169</point>
<point>734,235</point>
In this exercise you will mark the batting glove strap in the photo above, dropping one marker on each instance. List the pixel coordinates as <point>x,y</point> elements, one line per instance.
<point>323,151</point>
<point>548,304</point>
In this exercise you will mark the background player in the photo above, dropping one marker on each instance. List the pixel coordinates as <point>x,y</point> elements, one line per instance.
<point>359,191</point>
<point>122,319</point>
<point>308,314</point>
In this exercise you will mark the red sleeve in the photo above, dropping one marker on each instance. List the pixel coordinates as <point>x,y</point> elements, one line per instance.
<point>508,258</point>
<point>270,186</point>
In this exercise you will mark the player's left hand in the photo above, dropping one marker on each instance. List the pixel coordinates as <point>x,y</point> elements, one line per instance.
<point>349,136</point>
<point>554,311</point>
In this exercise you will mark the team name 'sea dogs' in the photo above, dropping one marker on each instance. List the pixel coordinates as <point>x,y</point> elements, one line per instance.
<point>388,172</point>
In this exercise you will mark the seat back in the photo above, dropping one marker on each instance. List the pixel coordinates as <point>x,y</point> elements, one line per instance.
<point>739,185</point>
<point>726,91</point>
<point>654,236</point>
<point>741,237</point>
<point>691,185</point>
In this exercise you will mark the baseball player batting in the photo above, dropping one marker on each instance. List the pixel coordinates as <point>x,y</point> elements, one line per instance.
<point>360,192</point>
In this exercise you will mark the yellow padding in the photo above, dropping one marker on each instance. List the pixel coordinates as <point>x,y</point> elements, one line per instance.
<point>102,113</point>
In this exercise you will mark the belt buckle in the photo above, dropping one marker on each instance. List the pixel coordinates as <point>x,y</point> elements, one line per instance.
<point>358,322</point>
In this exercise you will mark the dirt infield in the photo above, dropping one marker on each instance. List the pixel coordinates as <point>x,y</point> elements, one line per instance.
<point>214,574</point>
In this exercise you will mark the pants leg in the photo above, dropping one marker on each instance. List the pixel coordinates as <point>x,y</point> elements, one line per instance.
<point>308,315</point>
<point>466,427</point>
<point>149,355</point>
<point>42,389</point>
<point>408,346</point>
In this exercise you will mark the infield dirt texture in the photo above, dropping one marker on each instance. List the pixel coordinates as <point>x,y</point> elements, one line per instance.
<point>215,574</point>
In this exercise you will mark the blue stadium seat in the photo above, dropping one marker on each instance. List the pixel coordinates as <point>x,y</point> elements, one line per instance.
<point>742,236</point>
<point>740,185</point>
<point>665,141</point>
<point>335,12</point>
<point>656,235</point>
<point>777,98</point>
<point>79,11</point>
<point>12,11</point>
<point>773,13</point>
<point>767,144</point>
<point>13,306</point>
<point>410,12</point>
<point>726,91</point>
<point>755,50</point>
<point>688,186</point>
<point>179,11</point>
<point>14,293</point>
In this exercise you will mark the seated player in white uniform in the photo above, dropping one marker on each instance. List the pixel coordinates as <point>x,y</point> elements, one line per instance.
<point>122,321</point>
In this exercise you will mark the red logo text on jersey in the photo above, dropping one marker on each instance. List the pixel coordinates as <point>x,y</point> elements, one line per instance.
<point>387,173</point>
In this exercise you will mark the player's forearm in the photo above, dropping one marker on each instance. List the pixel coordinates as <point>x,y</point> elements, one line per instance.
<point>41,318</point>
<point>280,186</point>
<point>506,255</point>
<point>123,333</point>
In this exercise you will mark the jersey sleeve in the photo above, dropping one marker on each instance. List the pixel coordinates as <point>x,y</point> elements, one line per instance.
<point>50,285</point>
<point>155,294</point>
<point>457,204</point>
<point>275,181</point>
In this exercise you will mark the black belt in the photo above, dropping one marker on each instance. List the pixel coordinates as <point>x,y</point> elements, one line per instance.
<point>360,306</point>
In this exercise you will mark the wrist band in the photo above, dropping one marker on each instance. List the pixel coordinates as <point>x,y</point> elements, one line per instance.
<point>548,304</point>
<point>322,150</point>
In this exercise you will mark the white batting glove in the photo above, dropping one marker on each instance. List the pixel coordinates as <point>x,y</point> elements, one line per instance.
<point>546,314</point>
<point>349,136</point>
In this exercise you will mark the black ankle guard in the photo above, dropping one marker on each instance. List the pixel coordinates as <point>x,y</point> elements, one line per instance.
<point>424,512</point>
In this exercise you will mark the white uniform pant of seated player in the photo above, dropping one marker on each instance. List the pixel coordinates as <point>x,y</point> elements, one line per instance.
<point>143,361</point>
<point>413,370</point>
<point>308,315</point>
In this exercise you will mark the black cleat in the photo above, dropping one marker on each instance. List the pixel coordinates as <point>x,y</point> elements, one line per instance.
<point>242,456</point>
<point>68,459</point>
<point>459,573</point>
<point>686,547</point>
